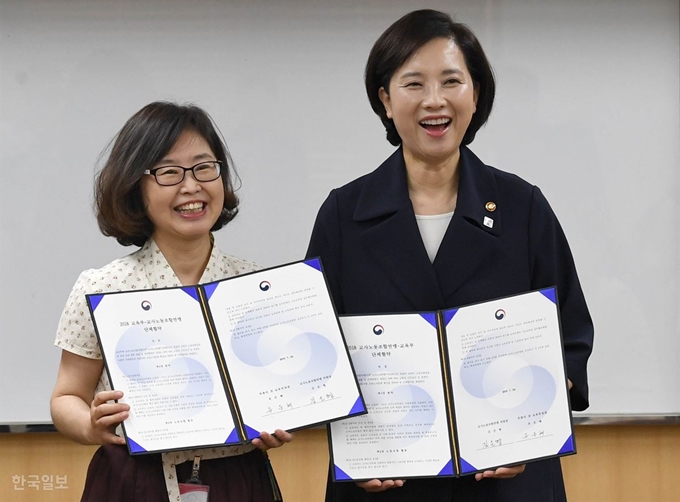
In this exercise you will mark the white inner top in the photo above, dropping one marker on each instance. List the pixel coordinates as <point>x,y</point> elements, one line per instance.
<point>432,229</point>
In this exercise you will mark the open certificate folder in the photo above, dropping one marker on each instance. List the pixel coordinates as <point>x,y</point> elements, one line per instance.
<point>455,392</point>
<point>216,364</point>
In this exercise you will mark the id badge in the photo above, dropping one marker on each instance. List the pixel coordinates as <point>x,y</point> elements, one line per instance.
<point>193,493</point>
<point>193,490</point>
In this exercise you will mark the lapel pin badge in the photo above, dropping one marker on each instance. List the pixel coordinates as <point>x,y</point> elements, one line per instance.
<point>490,206</point>
<point>488,222</point>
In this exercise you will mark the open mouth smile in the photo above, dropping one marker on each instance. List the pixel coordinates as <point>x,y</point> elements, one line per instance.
<point>435,124</point>
<point>191,208</point>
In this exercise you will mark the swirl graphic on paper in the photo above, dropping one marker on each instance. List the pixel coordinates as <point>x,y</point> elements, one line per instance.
<point>378,329</point>
<point>505,380</point>
<point>500,314</point>
<point>265,285</point>
<point>146,305</point>
<point>155,369</point>
<point>287,348</point>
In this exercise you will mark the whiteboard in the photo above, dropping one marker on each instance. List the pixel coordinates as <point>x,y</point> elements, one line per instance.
<point>587,108</point>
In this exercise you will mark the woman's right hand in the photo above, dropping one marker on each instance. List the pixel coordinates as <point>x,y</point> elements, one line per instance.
<point>79,413</point>
<point>105,417</point>
<point>376,485</point>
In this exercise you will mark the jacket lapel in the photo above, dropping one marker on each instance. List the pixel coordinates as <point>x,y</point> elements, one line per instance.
<point>392,238</point>
<point>474,228</point>
<point>391,234</point>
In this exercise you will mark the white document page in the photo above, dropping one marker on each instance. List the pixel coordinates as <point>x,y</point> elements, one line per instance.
<point>509,384</point>
<point>397,360</point>
<point>159,354</point>
<point>284,349</point>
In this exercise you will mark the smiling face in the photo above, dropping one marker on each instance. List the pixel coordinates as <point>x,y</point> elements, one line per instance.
<point>189,210</point>
<point>431,99</point>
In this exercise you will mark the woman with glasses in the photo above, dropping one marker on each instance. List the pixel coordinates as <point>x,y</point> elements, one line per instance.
<point>434,227</point>
<point>166,186</point>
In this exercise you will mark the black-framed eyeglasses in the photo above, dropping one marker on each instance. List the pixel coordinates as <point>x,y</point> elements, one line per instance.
<point>208,170</point>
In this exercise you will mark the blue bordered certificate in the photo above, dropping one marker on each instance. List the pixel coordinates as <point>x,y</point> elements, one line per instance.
<point>456,392</point>
<point>217,364</point>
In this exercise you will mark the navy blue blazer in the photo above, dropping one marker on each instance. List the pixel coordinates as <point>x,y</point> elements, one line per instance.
<point>375,260</point>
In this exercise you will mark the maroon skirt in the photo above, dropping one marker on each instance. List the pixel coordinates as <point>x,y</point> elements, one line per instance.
<point>116,476</point>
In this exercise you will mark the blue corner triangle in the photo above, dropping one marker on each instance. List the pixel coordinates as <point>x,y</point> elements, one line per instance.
<point>568,446</point>
<point>191,291</point>
<point>250,432</point>
<point>233,437</point>
<point>314,263</point>
<point>430,317</point>
<point>340,475</point>
<point>465,467</point>
<point>448,315</point>
<point>94,301</point>
<point>134,447</point>
<point>549,293</point>
<point>447,470</point>
<point>210,289</point>
<point>357,408</point>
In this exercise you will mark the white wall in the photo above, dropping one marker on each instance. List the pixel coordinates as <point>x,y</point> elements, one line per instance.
<point>587,108</point>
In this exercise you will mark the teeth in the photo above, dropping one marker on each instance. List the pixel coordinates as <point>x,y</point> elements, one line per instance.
<point>436,121</point>
<point>193,206</point>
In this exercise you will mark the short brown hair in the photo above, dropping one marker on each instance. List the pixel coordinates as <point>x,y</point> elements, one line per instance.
<point>142,142</point>
<point>403,38</point>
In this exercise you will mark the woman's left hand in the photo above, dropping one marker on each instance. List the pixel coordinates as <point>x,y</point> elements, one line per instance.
<point>501,472</point>
<point>266,440</point>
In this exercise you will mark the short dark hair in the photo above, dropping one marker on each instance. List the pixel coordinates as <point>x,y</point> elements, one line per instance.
<point>408,34</point>
<point>142,142</point>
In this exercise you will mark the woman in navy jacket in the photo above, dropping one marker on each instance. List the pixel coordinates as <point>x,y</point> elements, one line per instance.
<point>434,227</point>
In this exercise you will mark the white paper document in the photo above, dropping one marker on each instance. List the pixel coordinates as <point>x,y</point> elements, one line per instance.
<point>219,363</point>
<point>397,360</point>
<point>457,391</point>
